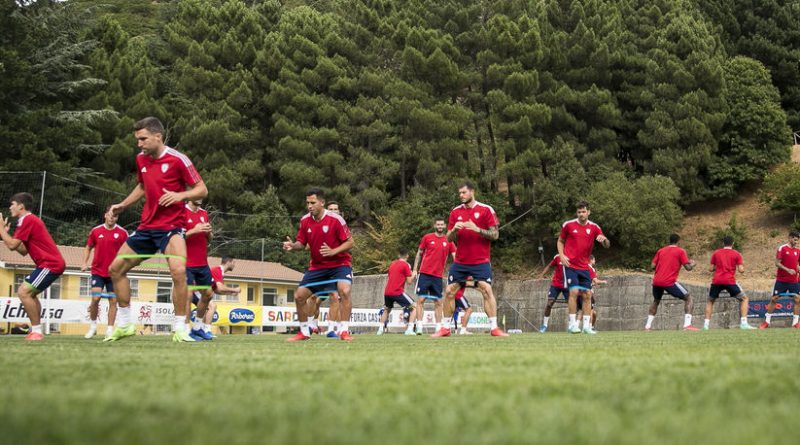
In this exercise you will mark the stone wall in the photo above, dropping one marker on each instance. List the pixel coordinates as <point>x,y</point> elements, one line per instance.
<point>622,304</point>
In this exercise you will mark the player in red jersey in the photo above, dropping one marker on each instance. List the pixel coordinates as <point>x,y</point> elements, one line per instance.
<point>166,178</point>
<point>725,263</point>
<point>434,249</point>
<point>472,226</point>
<point>575,244</point>
<point>558,286</point>
<point>667,263</point>
<point>206,314</point>
<point>786,280</point>
<point>329,293</point>
<point>461,304</point>
<point>105,240</point>
<point>595,282</point>
<point>32,238</point>
<point>329,241</point>
<point>198,234</point>
<point>398,276</point>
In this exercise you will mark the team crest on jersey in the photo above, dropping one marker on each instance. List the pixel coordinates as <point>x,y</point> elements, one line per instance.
<point>588,231</point>
<point>325,229</point>
<point>309,230</point>
<point>164,168</point>
<point>476,215</point>
<point>444,243</point>
<point>116,235</point>
<point>190,221</point>
<point>202,219</point>
<point>144,169</point>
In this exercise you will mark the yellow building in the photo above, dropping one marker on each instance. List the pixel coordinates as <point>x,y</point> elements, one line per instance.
<point>261,284</point>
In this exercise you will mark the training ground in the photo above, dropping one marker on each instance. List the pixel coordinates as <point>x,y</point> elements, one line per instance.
<point>670,387</point>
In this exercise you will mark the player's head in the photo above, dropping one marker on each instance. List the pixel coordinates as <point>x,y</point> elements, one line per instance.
<point>110,218</point>
<point>315,201</point>
<point>794,237</point>
<point>20,203</point>
<point>228,263</point>
<point>333,206</point>
<point>402,253</point>
<point>582,210</point>
<point>727,241</point>
<point>591,260</point>
<point>149,134</point>
<point>439,225</point>
<point>674,238</point>
<point>466,192</point>
<point>196,202</point>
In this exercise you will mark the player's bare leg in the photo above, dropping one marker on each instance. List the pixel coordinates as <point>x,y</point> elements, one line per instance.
<point>118,270</point>
<point>449,298</point>
<point>345,310</point>
<point>301,296</point>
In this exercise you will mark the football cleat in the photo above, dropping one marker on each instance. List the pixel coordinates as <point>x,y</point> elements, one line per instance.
<point>345,335</point>
<point>690,328</point>
<point>497,332</point>
<point>34,336</point>
<point>298,337</point>
<point>121,332</point>
<point>763,325</point>
<point>443,332</point>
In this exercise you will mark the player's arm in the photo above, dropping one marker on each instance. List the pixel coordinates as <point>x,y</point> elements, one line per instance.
<point>11,242</point>
<point>690,265</point>
<point>452,234</point>
<point>87,252</point>
<point>784,268</point>
<point>416,263</point>
<point>740,268</point>
<point>326,250</point>
<point>200,228</point>
<point>545,270</point>
<point>221,288</point>
<point>560,247</point>
<point>290,245</point>
<point>133,197</point>
<point>192,193</point>
<point>605,242</point>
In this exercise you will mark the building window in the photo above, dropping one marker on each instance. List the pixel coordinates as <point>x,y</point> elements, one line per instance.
<point>268,296</point>
<point>290,295</point>
<point>164,292</point>
<point>18,280</point>
<point>134,288</point>
<point>251,294</point>
<point>232,298</point>
<point>55,289</point>
<point>86,287</point>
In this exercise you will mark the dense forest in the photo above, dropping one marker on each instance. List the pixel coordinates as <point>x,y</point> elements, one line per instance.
<point>641,107</point>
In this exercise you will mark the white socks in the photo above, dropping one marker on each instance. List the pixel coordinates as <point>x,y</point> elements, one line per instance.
<point>587,322</point>
<point>493,322</point>
<point>304,329</point>
<point>743,321</point>
<point>109,330</point>
<point>769,318</point>
<point>573,320</point>
<point>179,323</point>
<point>546,320</point>
<point>795,319</point>
<point>36,328</point>
<point>706,323</point>
<point>649,323</point>
<point>687,320</point>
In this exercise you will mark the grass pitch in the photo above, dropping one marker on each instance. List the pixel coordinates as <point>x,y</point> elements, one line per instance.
<point>725,387</point>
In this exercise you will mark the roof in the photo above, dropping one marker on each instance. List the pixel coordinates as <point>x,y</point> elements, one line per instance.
<point>245,269</point>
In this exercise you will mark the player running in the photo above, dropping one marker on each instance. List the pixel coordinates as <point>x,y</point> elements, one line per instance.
<point>32,238</point>
<point>329,293</point>
<point>198,274</point>
<point>575,244</point>
<point>166,178</point>
<point>725,263</point>
<point>786,279</point>
<point>432,254</point>
<point>472,226</point>
<point>394,292</point>
<point>105,240</point>
<point>558,286</point>
<point>595,282</point>
<point>667,264</point>
<point>329,241</point>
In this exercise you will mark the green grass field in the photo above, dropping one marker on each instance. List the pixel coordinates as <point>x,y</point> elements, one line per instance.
<point>638,388</point>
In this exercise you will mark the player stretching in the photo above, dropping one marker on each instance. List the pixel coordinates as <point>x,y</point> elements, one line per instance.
<point>558,286</point>
<point>218,276</point>
<point>105,240</point>
<point>329,291</point>
<point>725,263</point>
<point>473,227</point>
<point>667,264</point>
<point>434,248</point>
<point>166,178</point>
<point>786,281</point>
<point>329,241</point>
<point>198,234</point>
<point>394,292</point>
<point>575,244</point>
<point>32,238</point>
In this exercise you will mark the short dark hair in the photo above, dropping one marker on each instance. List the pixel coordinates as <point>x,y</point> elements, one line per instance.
<point>24,198</point>
<point>151,124</point>
<point>466,183</point>
<point>439,218</point>
<point>727,241</point>
<point>581,205</point>
<point>674,238</point>
<point>226,259</point>
<point>329,203</point>
<point>316,192</point>
<point>402,252</point>
<point>794,234</point>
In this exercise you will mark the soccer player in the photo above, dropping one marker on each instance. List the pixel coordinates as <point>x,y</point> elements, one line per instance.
<point>472,226</point>
<point>462,305</point>
<point>667,264</point>
<point>786,281</point>
<point>166,178</point>
<point>32,238</point>
<point>329,241</point>
<point>198,234</point>
<point>394,292</point>
<point>206,314</point>
<point>595,282</point>
<point>725,263</point>
<point>558,286</point>
<point>330,292</point>
<point>105,240</point>
<point>434,249</point>
<point>575,244</point>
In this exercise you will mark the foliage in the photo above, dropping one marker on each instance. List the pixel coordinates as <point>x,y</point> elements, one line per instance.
<point>733,228</point>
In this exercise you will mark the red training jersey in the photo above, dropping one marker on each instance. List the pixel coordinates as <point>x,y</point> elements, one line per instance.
<point>172,171</point>
<point>668,261</point>
<point>460,293</point>
<point>435,250</point>
<point>41,247</point>
<point>472,247</point>
<point>579,242</point>
<point>788,257</point>
<point>106,243</point>
<point>331,230</point>
<point>197,244</point>
<point>592,272</point>
<point>218,274</point>
<point>399,270</point>
<point>725,261</point>
<point>558,273</point>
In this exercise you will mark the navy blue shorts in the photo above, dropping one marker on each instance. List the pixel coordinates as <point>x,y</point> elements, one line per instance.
<point>429,286</point>
<point>403,301</point>
<point>577,278</point>
<point>782,287</point>
<point>104,283</point>
<point>41,278</point>
<point>462,303</point>
<point>676,290</point>
<point>317,281</point>
<point>460,272</point>
<point>198,276</point>
<point>734,290</point>
<point>554,292</point>
<point>148,242</point>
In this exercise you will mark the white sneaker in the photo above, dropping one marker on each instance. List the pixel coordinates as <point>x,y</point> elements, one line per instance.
<point>464,332</point>
<point>92,331</point>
